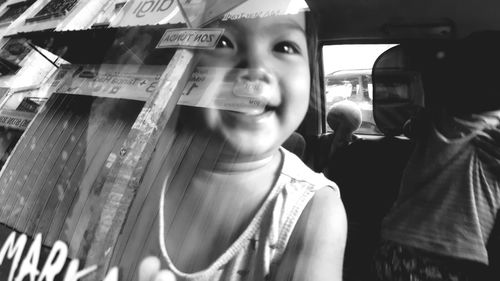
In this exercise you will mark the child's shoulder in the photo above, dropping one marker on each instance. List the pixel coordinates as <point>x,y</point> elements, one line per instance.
<point>298,172</point>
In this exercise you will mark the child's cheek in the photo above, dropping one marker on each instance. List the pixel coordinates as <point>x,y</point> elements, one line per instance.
<point>301,87</point>
<point>298,94</point>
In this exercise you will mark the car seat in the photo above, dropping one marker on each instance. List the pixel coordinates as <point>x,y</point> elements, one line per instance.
<point>295,144</point>
<point>369,170</point>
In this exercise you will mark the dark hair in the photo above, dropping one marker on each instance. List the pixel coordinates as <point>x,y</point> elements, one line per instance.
<point>311,125</point>
<point>473,73</point>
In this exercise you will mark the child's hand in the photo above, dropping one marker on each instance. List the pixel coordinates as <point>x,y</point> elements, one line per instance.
<point>149,270</point>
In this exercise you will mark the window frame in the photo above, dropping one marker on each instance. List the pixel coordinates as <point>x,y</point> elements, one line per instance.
<point>343,41</point>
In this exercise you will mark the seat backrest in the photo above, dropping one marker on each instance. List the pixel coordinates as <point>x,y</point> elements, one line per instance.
<point>368,171</point>
<point>295,144</point>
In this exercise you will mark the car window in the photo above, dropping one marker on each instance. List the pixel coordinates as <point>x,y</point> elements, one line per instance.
<point>348,76</point>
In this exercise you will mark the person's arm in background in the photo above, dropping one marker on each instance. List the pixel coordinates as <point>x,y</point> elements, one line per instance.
<point>316,248</point>
<point>488,140</point>
<point>487,145</point>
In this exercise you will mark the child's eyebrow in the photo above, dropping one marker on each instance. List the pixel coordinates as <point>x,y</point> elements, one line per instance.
<point>285,28</point>
<point>291,24</point>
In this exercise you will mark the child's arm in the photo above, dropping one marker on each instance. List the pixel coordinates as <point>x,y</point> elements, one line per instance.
<point>316,248</point>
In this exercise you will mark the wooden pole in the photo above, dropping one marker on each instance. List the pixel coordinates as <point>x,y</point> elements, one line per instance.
<point>125,176</point>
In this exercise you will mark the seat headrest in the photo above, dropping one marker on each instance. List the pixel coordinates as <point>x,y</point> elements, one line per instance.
<point>397,88</point>
<point>458,75</point>
<point>295,144</point>
<point>344,116</point>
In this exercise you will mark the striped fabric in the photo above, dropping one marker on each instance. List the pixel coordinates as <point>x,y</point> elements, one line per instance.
<point>450,191</point>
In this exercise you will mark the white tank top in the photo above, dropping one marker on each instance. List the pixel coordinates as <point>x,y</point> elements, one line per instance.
<point>256,252</point>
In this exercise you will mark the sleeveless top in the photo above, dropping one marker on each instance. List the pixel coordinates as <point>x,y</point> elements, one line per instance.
<point>450,194</point>
<point>256,252</point>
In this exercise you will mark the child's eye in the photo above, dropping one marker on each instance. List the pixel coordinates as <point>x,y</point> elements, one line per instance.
<point>287,48</point>
<point>224,42</point>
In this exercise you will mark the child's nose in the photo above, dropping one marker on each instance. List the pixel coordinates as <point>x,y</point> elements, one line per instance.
<point>254,83</point>
<point>255,74</point>
<point>255,63</point>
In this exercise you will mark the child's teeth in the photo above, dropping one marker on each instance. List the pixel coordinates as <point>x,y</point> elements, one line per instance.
<point>255,111</point>
<point>248,88</point>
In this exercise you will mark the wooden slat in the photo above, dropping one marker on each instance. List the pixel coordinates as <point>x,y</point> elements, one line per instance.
<point>66,233</point>
<point>38,151</point>
<point>49,186</point>
<point>46,161</point>
<point>145,209</point>
<point>83,204</point>
<point>39,124</point>
<point>74,168</point>
<point>61,212</point>
<point>69,211</point>
<point>114,142</point>
<point>178,171</point>
<point>36,182</point>
<point>9,172</point>
<point>164,146</point>
<point>120,186</point>
<point>77,229</point>
<point>33,147</point>
<point>109,191</point>
<point>150,246</point>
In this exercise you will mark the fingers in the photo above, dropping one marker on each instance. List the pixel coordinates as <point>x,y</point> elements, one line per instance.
<point>149,268</point>
<point>165,275</point>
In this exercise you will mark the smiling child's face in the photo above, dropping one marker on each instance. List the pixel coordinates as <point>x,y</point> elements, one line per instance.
<point>265,60</point>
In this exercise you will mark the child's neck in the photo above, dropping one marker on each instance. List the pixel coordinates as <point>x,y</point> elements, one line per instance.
<point>239,164</point>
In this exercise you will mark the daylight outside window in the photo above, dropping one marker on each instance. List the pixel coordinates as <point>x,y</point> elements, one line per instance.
<point>348,71</point>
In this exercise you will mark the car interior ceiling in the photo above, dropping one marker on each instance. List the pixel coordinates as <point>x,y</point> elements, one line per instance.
<point>369,19</point>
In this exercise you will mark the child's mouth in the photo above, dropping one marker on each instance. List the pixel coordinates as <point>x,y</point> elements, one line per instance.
<point>249,89</point>
<point>256,112</point>
<point>265,110</point>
